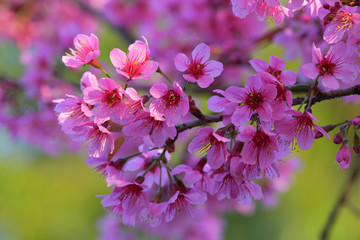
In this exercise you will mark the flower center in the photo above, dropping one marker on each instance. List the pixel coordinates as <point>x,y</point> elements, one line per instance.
<point>254,100</point>
<point>111,98</point>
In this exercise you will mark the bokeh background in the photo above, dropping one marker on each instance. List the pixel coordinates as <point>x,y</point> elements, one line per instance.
<point>43,197</point>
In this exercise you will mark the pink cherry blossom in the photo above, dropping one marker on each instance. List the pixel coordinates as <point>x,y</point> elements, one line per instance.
<point>87,50</point>
<point>179,203</point>
<point>340,24</point>
<point>171,104</point>
<point>88,80</point>
<point>256,97</point>
<point>211,143</point>
<point>72,112</point>
<point>330,67</point>
<point>136,64</point>
<point>107,100</point>
<point>260,146</point>
<point>127,199</point>
<point>199,69</point>
<point>147,124</point>
<point>299,127</point>
<point>97,136</point>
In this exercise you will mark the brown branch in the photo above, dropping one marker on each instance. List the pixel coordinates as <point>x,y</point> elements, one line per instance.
<point>341,201</point>
<point>322,96</point>
<point>207,119</point>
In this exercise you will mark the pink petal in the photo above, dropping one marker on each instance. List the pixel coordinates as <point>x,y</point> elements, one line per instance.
<point>118,58</point>
<point>201,53</point>
<point>214,68</point>
<point>158,90</point>
<point>181,62</point>
<point>277,63</point>
<point>259,65</point>
<point>310,70</point>
<point>205,80</point>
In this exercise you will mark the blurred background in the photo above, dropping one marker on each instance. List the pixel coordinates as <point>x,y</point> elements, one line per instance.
<point>52,194</point>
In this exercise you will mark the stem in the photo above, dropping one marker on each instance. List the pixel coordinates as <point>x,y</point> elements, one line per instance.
<point>312,92</point>
<point>300,86</point>
<point>103,70</point>
<point>134,155</point>
<point>185,85</point>
<point>151,166</point>
<point>341,201</point>
<point>164,75</point>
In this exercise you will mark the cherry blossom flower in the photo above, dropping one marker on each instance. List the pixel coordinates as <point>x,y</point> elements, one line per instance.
<point>147,124</point>
<point>254,98</point>
<point>136,64</point>
<point>199,69</point>
<point>179,203</point>
<point>72,112</point>
<point>87,50</point>
<point>97,136</point>
<point>299,127</point>
<point>260,146</point>
<point>340,24</point>
<point>107,100</point>
<point>211,143</point>
<point>127,199</point>
<point>171,104</point>
<point>330,67</point>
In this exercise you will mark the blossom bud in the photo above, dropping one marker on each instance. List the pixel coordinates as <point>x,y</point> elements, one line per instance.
<point>326,6</point>
<point>356,143</point>
<point>326,128</point>
<point>140,179</point>
<point>356,121</point>
<point>344,155</point>
<point>339,137</point>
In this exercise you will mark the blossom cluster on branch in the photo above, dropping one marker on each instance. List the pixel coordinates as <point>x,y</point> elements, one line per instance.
<point>138,119</point>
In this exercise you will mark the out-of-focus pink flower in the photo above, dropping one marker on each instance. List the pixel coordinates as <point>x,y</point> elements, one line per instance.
<point>256,97</point>
<point>88,80</point>
<point>260,146</point>
<point>210,143</point>
<point>107,100</point>
<point>87,50</point>
<point>300,127</point>
<point>343,157</point>
<point>136,64</point>
<point>171,104</point>
<point>199,69</point>
<point>330,67</point>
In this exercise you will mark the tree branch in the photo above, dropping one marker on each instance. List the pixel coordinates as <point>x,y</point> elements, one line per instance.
<point>341,201</point>
<point>207,119</point>
<point>322,96</point>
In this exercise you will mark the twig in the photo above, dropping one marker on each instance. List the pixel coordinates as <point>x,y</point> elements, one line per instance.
<point>353,208</point>
<point>207,119</point>
<point>322,96</point>
<point>341,201</point>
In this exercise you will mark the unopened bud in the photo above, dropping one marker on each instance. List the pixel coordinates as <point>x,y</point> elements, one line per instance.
<point>344,155</point>
<point>140,179</point>
<point>326,6</point>
<point>339,137</point>
<point>95,63</point>
<point>326,128</point>
<point>356,121</point>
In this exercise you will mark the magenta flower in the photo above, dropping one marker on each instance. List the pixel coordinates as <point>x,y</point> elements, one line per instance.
<point>254,98</point>
<point>340,24</point>
<point>211,143</point>
<point>272,9</point>
<point>330,68</point>
<point>299,127</point>
<point>274,72</point>
<point>87,50</point>
<point>97,136</point>
<point>179,203</point>
<point>72,112</point>
<point>147,124</point>
<point>171,104</point>
<point>127,199</point>
<point>134,104</point>
<point>88,80</point>
<point>107,100</point>
<point>136,64</point>
<point>242,8</point>
<point>226,185</point>
<point>199,69</point>
<point>260,147</point>
<point>343,157</point>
